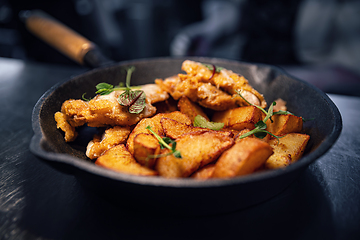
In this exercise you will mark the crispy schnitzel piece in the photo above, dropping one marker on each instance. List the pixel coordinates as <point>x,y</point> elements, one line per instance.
<point>226,80</point>
<point>215,91</point>
<point>110,138</point>
<point>154,93</point>
<point>63,124</point>
<point>205,94</point>
<point>105,110</point>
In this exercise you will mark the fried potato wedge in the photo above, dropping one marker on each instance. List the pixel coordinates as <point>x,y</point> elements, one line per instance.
<point>110,138</point>
<point>174,129</point>
<point>197,150</point>
<point>146,147</point>
<point>190,108</point>
<point>204,173</point>
<point>284,123</point>
<point>154,123</point>
<point>64,125</point>
<point>119,159</point>
<point>239,118</point>
<point>288,150</point>
<point>243,158</point>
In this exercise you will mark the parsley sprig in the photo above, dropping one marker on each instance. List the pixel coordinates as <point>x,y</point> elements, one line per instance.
<point>164,143</point>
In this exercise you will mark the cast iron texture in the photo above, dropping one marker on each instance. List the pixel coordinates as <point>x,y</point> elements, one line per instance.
<point>183,196</point>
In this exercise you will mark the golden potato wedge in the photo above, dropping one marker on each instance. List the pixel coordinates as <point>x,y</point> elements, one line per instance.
<point>197,150</point>
<point>288,150</point>
<point>110,138</point>
<point>243,158</point>
<point>239,118</point>
<point>205,172</point>
<point>174,129</point>
<point>154,123</point>
<point>119,159</point>
<point>284,123</point>
<point>64,125</point>
<point>190,108</point>
<point>146,146</point>
<point>141,128</point>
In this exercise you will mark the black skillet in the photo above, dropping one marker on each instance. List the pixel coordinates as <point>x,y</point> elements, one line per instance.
<point>179,196</point>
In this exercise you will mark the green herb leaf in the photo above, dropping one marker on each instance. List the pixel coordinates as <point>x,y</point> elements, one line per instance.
<point>200,121</point>
<point>282,112</point>
<point>211,67</point>
<point>177,154</point>
<point>260,135</point>
<point>164,143</point>
<point>260,127</point>
<point>134,99</point>
<point>167,140</point>
<point>84,98</point>
<point>104,88</point>
<point>139,103</point>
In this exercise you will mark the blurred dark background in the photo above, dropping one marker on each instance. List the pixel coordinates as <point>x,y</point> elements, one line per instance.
<point>315,40</point>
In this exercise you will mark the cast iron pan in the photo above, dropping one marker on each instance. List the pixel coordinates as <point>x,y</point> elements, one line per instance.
<point>182,196</point>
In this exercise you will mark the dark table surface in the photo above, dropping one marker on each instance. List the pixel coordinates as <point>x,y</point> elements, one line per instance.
<point>38,202</point>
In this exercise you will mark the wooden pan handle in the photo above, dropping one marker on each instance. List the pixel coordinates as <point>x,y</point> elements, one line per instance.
<point>57,35</point>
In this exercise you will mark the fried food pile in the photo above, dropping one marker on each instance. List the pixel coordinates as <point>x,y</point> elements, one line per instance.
<point>171,110</point>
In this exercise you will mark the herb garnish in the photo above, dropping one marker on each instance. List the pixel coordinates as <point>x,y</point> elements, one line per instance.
<point>134,99</point>
<point>200,121</point>
<point>164,143</point>
<point>106,88</point>
<point>212,68</point>
<point>259,130</point>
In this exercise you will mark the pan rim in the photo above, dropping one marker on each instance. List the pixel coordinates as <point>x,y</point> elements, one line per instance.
<point>80,164</point>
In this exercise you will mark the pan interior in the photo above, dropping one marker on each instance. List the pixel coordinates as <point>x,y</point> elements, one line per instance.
<point>302,99</point>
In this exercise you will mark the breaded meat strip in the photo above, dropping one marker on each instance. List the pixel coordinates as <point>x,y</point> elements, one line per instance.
<point>217,91</point>
<point>105,110</point>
